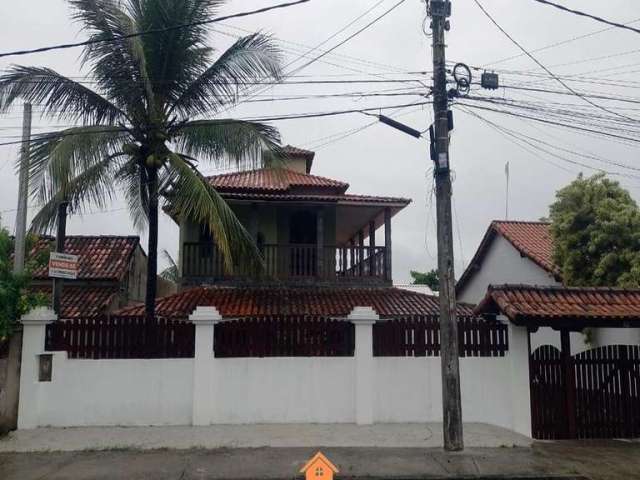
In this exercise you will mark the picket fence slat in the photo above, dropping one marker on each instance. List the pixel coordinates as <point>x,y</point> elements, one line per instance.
<point>121,337</point>
<point>419,336</point>
<point>284,336</point>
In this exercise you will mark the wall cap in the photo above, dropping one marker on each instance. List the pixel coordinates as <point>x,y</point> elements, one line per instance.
<point>363,316</point>
<point>205,316</point>
<point>39,316</point>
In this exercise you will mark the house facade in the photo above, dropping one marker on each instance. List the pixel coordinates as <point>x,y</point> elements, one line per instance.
<point>112,274</point>
<point>307,228</point>
<point>519,252</point>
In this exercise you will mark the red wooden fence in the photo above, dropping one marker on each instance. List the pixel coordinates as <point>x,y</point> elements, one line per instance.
<point>284,336</point>
<point>548,418</point>
<point>121,337</point>
<point>607,393</point>
<point>419,336</point>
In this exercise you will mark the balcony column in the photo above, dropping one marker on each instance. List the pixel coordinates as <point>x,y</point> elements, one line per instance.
<point>320,242</point>
<point>372,248</point>
<point>387,245</point>
<point>361,253</point>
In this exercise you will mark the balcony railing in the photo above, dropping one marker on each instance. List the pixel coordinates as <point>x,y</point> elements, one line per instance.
<point>290,262</point>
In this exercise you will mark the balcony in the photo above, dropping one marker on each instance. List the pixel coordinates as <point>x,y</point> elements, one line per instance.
<point>202,263</point>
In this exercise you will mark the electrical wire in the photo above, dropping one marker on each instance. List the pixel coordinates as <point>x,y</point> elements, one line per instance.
<point>259,119</point>
<point>558,44</point>
<point>551,122</point>
<point>151,31</point>
<point>588,15</point>
<point>560,81</point>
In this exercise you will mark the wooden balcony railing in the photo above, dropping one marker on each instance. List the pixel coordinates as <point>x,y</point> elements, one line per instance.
<point>296,261</point>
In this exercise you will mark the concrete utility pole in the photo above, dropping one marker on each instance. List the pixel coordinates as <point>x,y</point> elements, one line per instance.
<point>439,11</point>
<point>61,236</point>
<point>23,192</point>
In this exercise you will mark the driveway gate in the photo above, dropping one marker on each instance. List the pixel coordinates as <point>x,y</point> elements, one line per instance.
<point>603,401</point>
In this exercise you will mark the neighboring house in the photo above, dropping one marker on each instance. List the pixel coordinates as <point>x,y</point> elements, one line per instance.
<point>112,273</point>
<point>519,252</point>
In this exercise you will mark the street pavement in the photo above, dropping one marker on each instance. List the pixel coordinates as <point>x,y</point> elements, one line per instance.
<point>568,460</point>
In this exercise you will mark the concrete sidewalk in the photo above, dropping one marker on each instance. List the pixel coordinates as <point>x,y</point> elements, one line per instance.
<point>254,436</point>
<point>605,461</point>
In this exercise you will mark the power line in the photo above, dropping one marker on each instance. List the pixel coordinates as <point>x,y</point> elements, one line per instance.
<point>255,119</point>
<point>350,37</point>
<point>588,15</point>
<point>552,122</point>
<point>559,44</point>
<point>326,52</point>
<point>151,31</point>
<point>561,82</point>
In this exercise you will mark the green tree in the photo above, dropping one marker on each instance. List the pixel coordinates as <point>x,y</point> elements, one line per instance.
<point>15,297</point>
<point>145,109</point>
<point>596,233</point>
<point>430,278</point>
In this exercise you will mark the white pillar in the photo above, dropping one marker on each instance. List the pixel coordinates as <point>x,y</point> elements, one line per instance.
<point>363,318</point>
<point>204,319</point>
<point>33,336</point>
<point>519,372</point>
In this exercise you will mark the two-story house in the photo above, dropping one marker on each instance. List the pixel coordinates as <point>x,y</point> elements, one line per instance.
<point>325,250</point>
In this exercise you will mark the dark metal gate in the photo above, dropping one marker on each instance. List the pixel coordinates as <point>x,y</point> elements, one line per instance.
<point>602,401</point>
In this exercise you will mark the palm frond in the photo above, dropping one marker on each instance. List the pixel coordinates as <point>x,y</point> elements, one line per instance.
<point>251,58</point>
<point>170,273</point>
<point>133,179</point>
<point>58,157</point>
<point>59,96</point>
<point>194,198</point>
<point>177,57</point>
<point>92,187</point>
<point>115,67</point>
<point>227,142</point>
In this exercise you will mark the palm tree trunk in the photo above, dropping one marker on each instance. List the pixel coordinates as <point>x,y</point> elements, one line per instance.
<point>152,260</point>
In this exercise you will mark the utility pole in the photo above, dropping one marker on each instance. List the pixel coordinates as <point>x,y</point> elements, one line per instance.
<point>439,11</point>
<point>23,192</point>
<point>61,235</point>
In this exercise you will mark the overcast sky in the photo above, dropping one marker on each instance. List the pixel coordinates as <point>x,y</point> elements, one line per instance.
<point>378,160</point>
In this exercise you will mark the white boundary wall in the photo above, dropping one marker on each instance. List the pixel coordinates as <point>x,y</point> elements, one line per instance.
<point>206,390</point>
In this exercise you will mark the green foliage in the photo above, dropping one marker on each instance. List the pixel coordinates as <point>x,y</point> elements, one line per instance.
<point>596,233</point>
<point>171,272</point>
<point>15,298</point>
<point>431,279</point>
<point>146,119</point>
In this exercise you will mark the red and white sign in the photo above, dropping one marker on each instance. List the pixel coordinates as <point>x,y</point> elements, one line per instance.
<point>63,265</point>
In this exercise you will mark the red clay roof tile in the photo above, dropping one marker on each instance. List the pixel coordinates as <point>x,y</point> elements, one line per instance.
<point>264,301</point>
<point>101,257</point>
<point>520,302</point>
<point>82,301</point>
<point>274,180</point>
<point>532,239</point>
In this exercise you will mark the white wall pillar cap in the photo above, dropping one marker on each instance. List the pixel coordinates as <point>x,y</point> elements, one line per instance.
<point>39,316</point>
<point>205,316</point>
<point>363,316</point>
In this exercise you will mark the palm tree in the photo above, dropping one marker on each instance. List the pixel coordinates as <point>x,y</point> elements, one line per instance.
<point>144,115</point>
